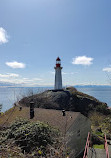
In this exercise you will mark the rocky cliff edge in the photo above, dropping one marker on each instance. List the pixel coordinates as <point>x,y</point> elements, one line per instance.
<point>68,99</point>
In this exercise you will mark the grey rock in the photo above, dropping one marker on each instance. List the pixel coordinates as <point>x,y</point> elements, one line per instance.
<point>69,99</point>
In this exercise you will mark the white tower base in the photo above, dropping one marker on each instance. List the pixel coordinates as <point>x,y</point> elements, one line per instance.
<point>58,78</point>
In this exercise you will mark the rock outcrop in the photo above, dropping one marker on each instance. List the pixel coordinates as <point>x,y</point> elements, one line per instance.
<point>68,99</point>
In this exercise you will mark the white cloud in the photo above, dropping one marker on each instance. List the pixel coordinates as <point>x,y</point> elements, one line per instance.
<point>82,60</point>
<point>37,79</point>
<point>64,73</point>
<point>15,64</point>
<point>72,73</point>
<point>52,72</point>
<point>33,80</point>
<point>69,73</point>
<point>9,75</point>
<point>107,69</point>
<point>25,78</point>
<point>17,79</point>
<point>3,36</point>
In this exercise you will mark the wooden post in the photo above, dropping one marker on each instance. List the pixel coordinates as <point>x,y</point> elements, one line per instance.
<point>31,110</point>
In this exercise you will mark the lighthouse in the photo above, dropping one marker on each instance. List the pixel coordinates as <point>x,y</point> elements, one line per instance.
<point>58,76</point>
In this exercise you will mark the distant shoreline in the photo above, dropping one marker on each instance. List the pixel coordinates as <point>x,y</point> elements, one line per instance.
<point>76,86</point>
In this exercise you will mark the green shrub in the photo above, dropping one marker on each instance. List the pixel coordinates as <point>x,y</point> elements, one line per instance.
<point>97,139</point>
<point>103,108</point>
<point>30,135</point>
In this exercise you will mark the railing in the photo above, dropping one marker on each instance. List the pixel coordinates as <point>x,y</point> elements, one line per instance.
<point>106,147</point>
<point>87,146</point>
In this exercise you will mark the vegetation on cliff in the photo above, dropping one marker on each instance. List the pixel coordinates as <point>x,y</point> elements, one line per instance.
<point>23,136</point>
<point>100,125</point>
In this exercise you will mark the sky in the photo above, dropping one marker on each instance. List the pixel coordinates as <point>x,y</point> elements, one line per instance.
<point>33,33</point>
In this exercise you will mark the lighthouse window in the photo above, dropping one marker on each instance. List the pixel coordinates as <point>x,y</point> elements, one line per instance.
<point>58,62</point>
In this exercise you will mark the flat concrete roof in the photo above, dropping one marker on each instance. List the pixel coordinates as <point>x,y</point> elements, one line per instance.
<point>49,116</point>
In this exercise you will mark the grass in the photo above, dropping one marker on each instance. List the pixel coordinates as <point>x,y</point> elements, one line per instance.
<point>100,134</point>
<point>96,146</point>
<point>11,114</point>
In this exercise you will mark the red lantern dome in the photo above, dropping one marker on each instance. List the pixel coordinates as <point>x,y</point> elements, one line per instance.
<point>58,59</point>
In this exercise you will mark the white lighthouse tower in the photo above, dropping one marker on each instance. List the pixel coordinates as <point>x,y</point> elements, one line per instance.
<point>58,76</point>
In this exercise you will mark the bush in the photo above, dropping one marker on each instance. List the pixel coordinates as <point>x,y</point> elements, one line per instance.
<point>103,108</point>
<point>97,140</point>
<point>30,135</point>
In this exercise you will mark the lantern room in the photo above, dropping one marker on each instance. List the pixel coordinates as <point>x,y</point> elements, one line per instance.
<point>58,62</point>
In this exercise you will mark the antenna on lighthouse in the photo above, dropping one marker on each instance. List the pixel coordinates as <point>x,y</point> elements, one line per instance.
<point>58,76</point>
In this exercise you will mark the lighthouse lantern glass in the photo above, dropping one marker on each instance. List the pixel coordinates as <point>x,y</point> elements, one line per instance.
<point>58,62</point>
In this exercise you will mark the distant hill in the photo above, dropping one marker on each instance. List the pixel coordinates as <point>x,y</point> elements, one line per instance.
<point>90,86</point>
<point>6,84</point>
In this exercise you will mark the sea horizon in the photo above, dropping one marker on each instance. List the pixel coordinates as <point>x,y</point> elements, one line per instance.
<point>9,95</point>
<point>51,86</point>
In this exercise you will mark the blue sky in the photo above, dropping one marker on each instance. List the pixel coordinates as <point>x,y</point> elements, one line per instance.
<point>33,33</point>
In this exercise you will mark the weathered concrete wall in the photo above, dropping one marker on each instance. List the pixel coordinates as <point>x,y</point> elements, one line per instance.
<point>77,135</point>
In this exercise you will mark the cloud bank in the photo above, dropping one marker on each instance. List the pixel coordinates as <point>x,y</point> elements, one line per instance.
<point>16,79</point>
<point>82,60</point>
<point>15,65</point>
<point>8,75</point>
<point>107,69</point>
<point>3,36</point>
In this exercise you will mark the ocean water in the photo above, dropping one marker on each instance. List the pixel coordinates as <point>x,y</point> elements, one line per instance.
<point>10,95</point>
<point>102,93</point>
